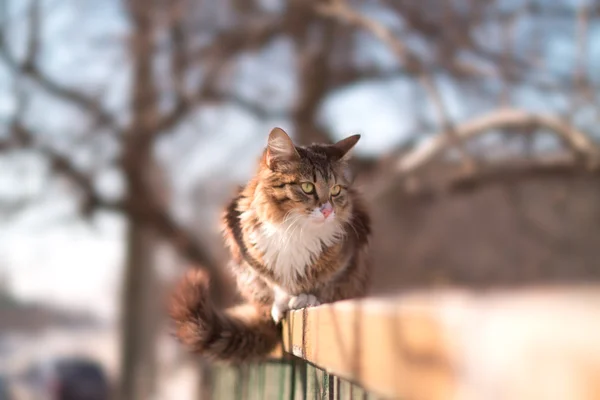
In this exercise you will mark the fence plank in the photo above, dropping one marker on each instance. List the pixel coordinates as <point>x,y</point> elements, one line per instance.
<point>457,345</point>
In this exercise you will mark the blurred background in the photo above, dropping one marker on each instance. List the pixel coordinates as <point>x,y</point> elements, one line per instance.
<point>125,125</point>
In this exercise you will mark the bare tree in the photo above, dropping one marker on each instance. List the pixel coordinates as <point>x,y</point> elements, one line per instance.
<point>145,206</point>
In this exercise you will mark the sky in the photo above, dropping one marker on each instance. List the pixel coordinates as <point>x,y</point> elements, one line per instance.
<point>49,254</point>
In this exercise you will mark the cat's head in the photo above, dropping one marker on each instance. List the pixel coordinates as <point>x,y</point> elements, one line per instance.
<point>306,182</point>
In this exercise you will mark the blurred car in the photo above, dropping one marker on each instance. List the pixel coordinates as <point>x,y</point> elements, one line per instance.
<point>69,379</point>
<point>5,392</point>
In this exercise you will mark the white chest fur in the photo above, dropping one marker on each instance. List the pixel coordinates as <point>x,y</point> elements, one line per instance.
<point>290,247</point>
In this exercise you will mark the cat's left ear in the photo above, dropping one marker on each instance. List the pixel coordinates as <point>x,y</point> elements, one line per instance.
<point>344,146</point>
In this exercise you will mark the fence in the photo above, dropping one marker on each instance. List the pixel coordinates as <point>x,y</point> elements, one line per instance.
<point>528,344</point>
<point>292,379</point>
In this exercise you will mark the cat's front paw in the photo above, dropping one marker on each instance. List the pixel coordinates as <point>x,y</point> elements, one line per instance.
<point>303,300</point>
<point>278,311</point>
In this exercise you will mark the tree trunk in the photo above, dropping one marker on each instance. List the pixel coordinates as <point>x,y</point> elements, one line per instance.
<point>139,324</point>
<point>205,381</point>
<point>140,304</point>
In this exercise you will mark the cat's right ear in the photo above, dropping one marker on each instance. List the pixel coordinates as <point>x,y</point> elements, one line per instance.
<point>280,148</point>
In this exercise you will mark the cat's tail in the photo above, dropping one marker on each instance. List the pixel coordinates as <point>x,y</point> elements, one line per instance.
<point>237,334</point>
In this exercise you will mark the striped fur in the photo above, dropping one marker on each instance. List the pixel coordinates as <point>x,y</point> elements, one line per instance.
<point>285,252</point>
<point>238,334</point>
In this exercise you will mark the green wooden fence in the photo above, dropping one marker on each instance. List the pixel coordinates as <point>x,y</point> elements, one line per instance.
<point>292,379</point>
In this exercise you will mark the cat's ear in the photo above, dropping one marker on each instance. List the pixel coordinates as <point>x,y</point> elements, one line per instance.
<point>344,146</point>
<point>280,148</point>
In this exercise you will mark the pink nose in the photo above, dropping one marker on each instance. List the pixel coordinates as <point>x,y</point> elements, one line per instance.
<point>326,210</point>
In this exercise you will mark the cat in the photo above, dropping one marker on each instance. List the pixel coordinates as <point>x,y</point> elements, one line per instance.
<point>298,237</point>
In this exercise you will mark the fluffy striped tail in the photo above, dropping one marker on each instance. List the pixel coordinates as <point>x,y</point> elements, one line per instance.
<point>237,334</point>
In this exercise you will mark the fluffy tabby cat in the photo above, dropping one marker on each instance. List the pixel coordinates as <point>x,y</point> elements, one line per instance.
<point>297,234</point>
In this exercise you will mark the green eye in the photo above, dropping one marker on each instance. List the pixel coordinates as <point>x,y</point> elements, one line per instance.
<point>336,190</point>
<point>308,187</point>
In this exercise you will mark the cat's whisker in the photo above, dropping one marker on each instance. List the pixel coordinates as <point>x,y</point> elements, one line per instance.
<point>353,228</point>
<point>298,223</point>
<point>288,215</point>
<point>294,222</point>
<point>286,235</point>
<point>286,238</point>
<point>341,232</point>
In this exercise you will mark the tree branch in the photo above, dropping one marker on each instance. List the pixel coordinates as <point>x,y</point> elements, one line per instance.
<point>252,35</point>
<point>33,39</point>
<point>156,216</point>
<point>577,141</point>
<point>178,114</point>
<point>225,45</point>
<point>580,90</point>
<point>20,136</point>
<point>178,41</point>
<point>183,240</point>
<point>340,10</point>
<point>29,68</point>
<point>314,39</point>
<point>508,173</point>
<point>457,38</point>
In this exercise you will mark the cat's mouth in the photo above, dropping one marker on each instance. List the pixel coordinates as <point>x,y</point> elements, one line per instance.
<point>323,214</point>
<point>323,220</point>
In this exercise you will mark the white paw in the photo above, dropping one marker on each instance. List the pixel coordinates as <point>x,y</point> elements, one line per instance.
<point>303,300</point>
<point>278,312</point>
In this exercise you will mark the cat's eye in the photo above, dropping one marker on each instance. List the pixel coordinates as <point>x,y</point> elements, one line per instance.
<point>336,190</point>
<point>307,187</point>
